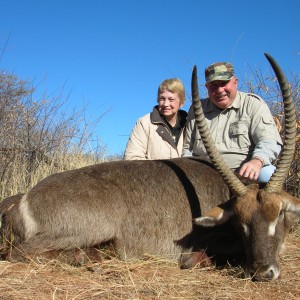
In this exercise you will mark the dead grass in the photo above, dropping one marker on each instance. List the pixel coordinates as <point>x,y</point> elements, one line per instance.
<point>153,278</point>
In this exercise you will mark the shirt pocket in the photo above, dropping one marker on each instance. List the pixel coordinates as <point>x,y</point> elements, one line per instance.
<point>238,135</point>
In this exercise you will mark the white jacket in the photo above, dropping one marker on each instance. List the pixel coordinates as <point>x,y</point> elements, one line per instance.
<point>152,139</point>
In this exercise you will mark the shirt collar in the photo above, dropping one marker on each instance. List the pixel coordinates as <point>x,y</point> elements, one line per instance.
<point>156,117</point>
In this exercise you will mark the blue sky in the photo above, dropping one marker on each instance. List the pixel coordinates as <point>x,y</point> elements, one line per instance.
<point>111,55</point>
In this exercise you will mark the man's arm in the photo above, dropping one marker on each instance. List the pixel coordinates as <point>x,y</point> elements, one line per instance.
<point>264,154</point>
<point>189,139</point>
<point>267,142</point>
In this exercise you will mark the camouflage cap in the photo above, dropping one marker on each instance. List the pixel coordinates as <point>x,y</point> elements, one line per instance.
<point>219,71</point>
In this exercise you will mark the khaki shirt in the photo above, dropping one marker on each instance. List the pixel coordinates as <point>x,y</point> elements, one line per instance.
<point>244,130</point>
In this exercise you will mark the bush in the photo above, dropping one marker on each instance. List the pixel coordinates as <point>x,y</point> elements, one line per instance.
<point>38,137</point>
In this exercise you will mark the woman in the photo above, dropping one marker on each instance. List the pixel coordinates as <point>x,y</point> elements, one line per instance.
<point>159,134</point>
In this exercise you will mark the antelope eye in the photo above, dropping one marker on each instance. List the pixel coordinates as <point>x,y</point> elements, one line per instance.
<point>281,213</point>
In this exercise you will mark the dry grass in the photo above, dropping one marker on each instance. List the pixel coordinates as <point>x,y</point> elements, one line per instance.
<point>14,170</point>
<point>153,278</point>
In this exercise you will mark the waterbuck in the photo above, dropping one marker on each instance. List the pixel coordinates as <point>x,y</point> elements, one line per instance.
<point>148,207</point>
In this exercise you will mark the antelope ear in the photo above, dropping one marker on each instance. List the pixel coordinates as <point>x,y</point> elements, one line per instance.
<point>215,216</point>
<point>291,204</point>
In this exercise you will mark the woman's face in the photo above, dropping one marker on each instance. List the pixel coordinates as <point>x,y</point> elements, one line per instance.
<point>168,104</point>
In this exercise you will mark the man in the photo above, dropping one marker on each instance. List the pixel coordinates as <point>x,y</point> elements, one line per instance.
<point>241,126</point>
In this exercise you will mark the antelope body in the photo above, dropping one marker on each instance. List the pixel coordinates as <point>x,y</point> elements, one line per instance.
<point>148,207</point>
<point>143,207</point>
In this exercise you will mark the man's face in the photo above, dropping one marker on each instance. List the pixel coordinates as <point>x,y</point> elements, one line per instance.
<point>222,93</point>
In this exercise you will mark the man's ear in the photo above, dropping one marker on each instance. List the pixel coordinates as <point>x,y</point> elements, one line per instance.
<point>236,80</point>
<point>216,216</point>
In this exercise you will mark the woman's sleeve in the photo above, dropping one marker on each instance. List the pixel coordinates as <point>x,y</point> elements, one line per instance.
<point>136,148</point>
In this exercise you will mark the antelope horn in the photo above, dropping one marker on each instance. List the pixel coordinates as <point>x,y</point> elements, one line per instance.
<point>276,182</point>
<point>235,185</point>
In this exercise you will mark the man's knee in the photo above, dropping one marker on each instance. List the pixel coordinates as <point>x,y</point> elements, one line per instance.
<point>266,173</point>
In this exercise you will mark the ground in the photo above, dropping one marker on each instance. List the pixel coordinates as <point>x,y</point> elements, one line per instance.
<point>152,278</point>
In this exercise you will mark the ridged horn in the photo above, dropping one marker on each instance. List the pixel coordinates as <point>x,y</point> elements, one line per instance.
<point>283,165</point>
<point>235,185</point>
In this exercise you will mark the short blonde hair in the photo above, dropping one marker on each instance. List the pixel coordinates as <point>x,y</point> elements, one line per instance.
<point>173,85</point>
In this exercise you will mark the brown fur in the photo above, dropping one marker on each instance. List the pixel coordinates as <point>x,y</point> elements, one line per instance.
<point>144,207</point>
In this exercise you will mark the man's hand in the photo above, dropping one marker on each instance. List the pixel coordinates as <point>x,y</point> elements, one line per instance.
<point>251,169</point>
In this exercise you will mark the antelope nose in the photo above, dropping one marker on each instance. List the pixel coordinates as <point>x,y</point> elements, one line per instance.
<point>270,274</point>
